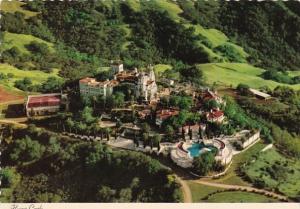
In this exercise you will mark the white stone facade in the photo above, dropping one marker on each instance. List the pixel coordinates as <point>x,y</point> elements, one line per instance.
<point>145,84</point>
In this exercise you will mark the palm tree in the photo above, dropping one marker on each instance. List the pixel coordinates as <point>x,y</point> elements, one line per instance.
<point>95,128</point>
<point>70,124</point>
<point>107,132</point>
<point>190,133</point>
<point>118,126</point>
<point>82,127</point>
<point>145,139</point>
<point>157,140</point>
<point>62,118</point>
<point>76,127</point>
<point>101,132</point>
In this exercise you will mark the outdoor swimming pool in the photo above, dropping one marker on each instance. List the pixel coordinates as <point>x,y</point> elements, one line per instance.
<point>197,148</point>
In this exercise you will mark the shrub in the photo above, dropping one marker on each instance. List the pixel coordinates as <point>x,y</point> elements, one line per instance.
<point>230,52</point>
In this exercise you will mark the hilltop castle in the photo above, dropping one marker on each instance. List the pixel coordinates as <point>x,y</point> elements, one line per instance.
<point>144,82</point>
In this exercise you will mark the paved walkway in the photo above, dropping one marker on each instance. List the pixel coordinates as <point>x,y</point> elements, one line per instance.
<point>247,188</point>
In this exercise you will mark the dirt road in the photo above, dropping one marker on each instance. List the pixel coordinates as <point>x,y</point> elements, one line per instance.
<point>187,195</point>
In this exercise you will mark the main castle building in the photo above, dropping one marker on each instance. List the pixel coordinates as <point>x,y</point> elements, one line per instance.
<point>144,82</point>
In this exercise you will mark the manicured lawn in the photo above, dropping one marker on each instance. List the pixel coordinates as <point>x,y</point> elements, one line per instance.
<point>234,73</point>
<point>35,75</point>
<point>200,191</point>
<point>277,171</point>
<point>239,197</point>
<point>20,40</point>
<point>231,177</point>
<point>16,6</point>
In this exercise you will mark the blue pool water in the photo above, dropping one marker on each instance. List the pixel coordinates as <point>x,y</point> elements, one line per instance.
<point>195,149</point>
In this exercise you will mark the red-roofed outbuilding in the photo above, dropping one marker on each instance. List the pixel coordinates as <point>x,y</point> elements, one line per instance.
<point>44,104</point>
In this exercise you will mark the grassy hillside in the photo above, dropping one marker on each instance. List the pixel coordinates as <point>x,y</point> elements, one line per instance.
<point>235,73</point>
<point>171,7</point>
<point>134,4</point>
<point>35,75</point>
<point>285,177</point>
<point>15,6</point>
<point>20,40</point>
<point>216,38</point>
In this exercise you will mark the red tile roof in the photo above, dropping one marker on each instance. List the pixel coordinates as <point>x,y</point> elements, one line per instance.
<point>43,101</point>
<point>215,114</point>
<point>166,113</point>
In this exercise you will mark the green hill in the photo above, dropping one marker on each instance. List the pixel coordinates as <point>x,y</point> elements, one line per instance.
<point>227,74</point>
<point>10,40</point>
<point>36,76</point>
<point>141,32</point>
<point>16,6</point>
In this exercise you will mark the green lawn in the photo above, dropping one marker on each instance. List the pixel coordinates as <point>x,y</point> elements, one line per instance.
<point>287,174</point>
<point>35,75</point>
<point>16,6</point>
<point>239,197</point>
<point>200,191</point>
<point>231,177</point>
<point>20,40</point>
<point>234,73</point>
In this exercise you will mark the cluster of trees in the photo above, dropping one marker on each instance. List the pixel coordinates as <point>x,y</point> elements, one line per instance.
<point>238,119</point>
<point>281,77</point>
<point>282,119</point>
<point>16,23</point>
<point>181,119</point>
<point>39,58</point>
<point>73,64</point>
<point>243,89</point>
<point>205,163</point>
<point>7,76</point>
<point>180,101</point>
<point>115,100</point>
<point>192,74</point>
<point>154,42</point>
<point>51,85</point>
<point>101,174</point>
<point>152,141</point>
<point>228,51</point>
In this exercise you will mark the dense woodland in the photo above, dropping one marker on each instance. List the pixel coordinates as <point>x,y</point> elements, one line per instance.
<point>269,30</point>
<point>49,166</point>
<point>89,34</point>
